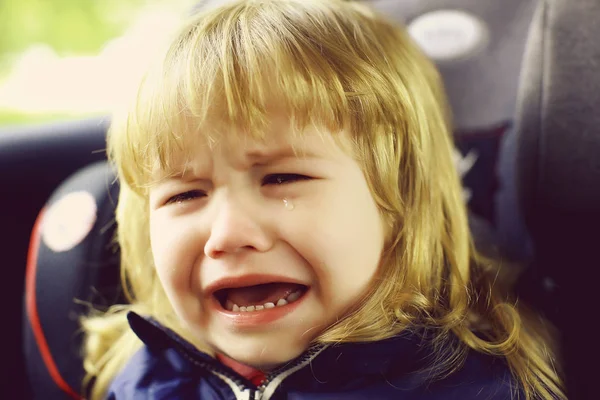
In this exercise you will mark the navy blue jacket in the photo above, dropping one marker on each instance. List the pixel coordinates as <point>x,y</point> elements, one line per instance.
<point>168,367</point>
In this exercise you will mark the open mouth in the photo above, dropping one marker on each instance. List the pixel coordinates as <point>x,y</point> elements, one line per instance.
<point>259,297</point>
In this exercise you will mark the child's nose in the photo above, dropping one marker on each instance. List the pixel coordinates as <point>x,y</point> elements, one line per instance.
<point>236,228</point>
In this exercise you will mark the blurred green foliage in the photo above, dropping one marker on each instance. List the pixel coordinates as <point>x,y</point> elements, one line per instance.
<point>68,26</point>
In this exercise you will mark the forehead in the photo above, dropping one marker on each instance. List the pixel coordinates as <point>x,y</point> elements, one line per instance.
<point>280,134</point>
<point>280,138</point>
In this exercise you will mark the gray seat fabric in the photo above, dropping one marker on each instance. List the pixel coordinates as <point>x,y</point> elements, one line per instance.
<point>482,88</point>
<point>558,109</point>
<point>559,171</point>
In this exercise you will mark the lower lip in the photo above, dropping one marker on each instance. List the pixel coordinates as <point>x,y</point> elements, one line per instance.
<point>257,318</point>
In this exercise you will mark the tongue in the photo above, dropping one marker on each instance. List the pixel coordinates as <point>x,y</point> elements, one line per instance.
<point>261,294</point>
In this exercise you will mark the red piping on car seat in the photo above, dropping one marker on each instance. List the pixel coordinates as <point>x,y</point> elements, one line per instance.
<point>32,313</point>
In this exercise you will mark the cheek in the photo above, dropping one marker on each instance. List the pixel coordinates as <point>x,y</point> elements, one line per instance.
<point>355,251</point>
<point>354,228</point>
<point>170,247</point>
<point>342,240</point>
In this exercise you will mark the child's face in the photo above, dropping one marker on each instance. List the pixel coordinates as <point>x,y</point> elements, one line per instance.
<point>252,224</point>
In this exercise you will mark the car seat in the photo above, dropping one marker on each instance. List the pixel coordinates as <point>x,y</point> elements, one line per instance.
<point>34,160</point>
<point>73,263</point>
<point>84,264</point>
<point>558,167</point>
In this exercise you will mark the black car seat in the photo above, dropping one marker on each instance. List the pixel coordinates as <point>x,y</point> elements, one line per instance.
<point>34,160</point>
<point>559,175</point>
<point>482,82</point>
<point>73,263</point>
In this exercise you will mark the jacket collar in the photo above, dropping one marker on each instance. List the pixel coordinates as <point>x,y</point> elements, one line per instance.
<point>407,352</point>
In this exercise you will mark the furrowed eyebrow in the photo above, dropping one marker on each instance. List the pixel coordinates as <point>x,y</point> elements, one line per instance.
<point>263,156</point>
<point>186,175</point>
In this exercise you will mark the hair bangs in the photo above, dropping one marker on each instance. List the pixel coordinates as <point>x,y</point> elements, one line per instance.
<point>233,66</point>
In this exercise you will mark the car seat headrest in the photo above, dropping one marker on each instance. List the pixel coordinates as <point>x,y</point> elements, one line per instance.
<point>72,264</point>
<point>477,46</point>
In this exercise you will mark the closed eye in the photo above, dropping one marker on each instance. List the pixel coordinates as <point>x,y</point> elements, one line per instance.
<point>185,196</point>
<point>282,179</point>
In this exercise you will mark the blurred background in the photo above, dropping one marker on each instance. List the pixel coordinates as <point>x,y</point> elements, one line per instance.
<point>64,59</point>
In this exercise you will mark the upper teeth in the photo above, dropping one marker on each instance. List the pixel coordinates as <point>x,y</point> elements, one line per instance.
<point>281,302</point>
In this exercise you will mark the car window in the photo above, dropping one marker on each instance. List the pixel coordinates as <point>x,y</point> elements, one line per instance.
<point>62,59</point>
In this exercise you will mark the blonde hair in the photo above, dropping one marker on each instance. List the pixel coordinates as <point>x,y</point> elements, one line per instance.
<point>339,65</point>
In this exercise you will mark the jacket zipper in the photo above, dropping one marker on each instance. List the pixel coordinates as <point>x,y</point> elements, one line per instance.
<point>237,385</point>
<point>266,390</point>
<point>274,379</point>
